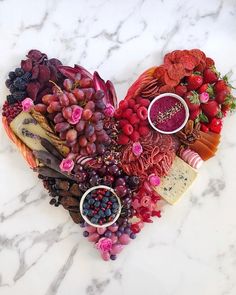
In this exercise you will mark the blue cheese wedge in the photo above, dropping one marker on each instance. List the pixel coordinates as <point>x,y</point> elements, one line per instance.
<point>177,182</point>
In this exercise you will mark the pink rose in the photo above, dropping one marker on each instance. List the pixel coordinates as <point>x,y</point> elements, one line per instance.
<point>109,110</point>
<point>67,165</point>
<point>154,180</point>
<point>104,245</point>
<point>75,115</point>
<point>137,149</point>
<point>204,97</point>
<point>27,104</point>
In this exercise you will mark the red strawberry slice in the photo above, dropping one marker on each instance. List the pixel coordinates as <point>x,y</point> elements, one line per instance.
<point>210,109</point>
<point>192,100</point>
<point>194,82</point>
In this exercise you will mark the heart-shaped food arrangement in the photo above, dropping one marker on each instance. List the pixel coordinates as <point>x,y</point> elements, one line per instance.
<point>110,165</point>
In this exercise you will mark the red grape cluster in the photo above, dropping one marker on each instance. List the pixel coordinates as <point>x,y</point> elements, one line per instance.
<point>78,115</point>
<point>132,115</point>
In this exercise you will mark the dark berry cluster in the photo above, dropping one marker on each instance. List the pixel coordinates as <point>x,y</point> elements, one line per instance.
<point>17,83</point>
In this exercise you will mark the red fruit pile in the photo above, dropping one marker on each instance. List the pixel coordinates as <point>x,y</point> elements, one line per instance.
<point>132,115</point>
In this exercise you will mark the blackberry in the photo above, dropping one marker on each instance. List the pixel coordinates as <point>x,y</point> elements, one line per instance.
<point>19,95</point>
<point>8,83</point>
<point>12,88</point>
<point>26,77</point>
<point>19,83</point>
<point>11,99</point>
<point>19,72</point>
<point>12,75</point>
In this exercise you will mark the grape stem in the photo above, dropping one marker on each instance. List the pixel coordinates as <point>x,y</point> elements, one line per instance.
<point>59,88</point>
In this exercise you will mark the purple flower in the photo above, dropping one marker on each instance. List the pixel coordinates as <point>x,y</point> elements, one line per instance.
<point>109,110</point>
<point>137,149</point>
<point>75,115</point>
<point>27,104</point>
<point>67,165</point>
<point>104,245</point>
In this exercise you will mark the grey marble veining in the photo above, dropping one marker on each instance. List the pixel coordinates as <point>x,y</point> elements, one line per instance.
<point>191,249</point>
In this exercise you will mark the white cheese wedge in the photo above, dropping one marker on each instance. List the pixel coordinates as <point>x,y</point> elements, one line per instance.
<point>177,182</point>
<point>29,131</point>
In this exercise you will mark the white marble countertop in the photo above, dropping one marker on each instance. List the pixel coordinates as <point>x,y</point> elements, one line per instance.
<point>192,248</point>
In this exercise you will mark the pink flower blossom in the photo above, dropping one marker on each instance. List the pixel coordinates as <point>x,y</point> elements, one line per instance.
<point>75,115</point>
<point>109,110</point>
<point>204,97</point>
<point>27,104</point>
<point>154,180</point>
<point>104,245</point>
<point>67,165</point>
<point>137,149</point>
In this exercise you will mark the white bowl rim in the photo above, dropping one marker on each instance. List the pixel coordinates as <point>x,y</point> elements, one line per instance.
<point>175,96</point>
<point>85,195</point>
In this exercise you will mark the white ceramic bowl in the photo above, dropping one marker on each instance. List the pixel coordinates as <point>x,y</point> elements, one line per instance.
<point>85,195</point>
<point>183,103</point>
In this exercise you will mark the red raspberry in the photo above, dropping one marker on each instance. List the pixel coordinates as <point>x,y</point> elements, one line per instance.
<point>118,113</point>
<point>138,99</point>
<point>144,102</point>
<point>143,130</point>
<point>136,126</point>
<point>135,136</point>
<point>123,139</point>
<point>128,129</point>
<point>123,122</point>
<point>134,119</point>
<point>142,113</point>
<point>143,123</point>
<point>123,104</point>
<point>131,102</point>
<point>135,108</point>
<point>127,113</point>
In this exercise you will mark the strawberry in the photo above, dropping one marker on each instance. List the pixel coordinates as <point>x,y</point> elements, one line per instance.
<point>194,81</point>
<point>220,86</point>
<point>192,100</point>
<point>180,90</point>
<point>216,125</point>
<point>221,96</point>
<point>194,114</point>
<point>210,75</point>
<point>204,128</point>
<point>210,109</point>
<point>206,88</point>
<point>209,62</point>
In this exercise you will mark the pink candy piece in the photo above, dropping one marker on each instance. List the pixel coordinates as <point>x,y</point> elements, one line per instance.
<point>93,237</point>
<point>192,158</point>
<point>154,180</point>
<point>116,249</point>
<point>113,228</point>
<point>105,256</point>
<point>101,230</point>
<point>124,239</point>
<point>91,229</point>
<point>204,97</point>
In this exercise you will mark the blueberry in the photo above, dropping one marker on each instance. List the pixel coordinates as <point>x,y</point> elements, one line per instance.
<point>113,199</point>
<point>12,75</point>
<point>113,257</point>
<point>86,206</point>
<point>115,205</point>
<point>91,201</point>
<point>105,199</point>
<point>94,220</point>
<point>85,233</point>
<point>19,72</point>
<point>101,213</point>
<point>97,204</point>
<point>90,213</point>
<point>104,205</point>
<point>108,212</point>
<point>85,212</point>
<point>97,216</point>
<point>132,236</point>
<point>108,193</point>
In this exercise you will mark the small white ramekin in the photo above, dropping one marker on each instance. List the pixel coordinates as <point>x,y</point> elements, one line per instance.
<point>85,195</point>
<point>183,103</point>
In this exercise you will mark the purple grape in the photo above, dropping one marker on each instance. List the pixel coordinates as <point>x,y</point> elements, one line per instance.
<point>89,130</point>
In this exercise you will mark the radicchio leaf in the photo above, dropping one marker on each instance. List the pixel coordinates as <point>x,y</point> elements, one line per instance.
<point>68,72</point>
<point>112,93</point>
<point>83,72</point>
<point>99,84</point>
